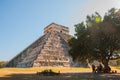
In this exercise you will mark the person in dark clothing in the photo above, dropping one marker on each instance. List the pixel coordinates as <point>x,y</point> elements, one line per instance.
<point>99,68</point>
<point>93,68</point>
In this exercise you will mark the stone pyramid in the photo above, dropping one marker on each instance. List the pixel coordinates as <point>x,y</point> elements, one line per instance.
<point>50,50</point>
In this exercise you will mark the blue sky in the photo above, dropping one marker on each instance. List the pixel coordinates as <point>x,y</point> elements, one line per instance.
<point>23,21</point>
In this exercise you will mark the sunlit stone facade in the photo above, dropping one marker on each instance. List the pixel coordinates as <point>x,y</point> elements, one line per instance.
<point>50,50</point>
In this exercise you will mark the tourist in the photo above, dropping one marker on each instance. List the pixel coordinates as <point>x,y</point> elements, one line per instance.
<point>93,68</point>
<point>99,68</point>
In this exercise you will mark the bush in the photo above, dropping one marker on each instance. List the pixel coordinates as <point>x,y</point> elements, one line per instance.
<point>2,64</point>
<point>48,72</point>
<point>118,62</point>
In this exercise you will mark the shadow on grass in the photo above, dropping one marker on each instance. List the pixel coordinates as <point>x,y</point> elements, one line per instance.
<point>18,77</point>
<point>63,76</point>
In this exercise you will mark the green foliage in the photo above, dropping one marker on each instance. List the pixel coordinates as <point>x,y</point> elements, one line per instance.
<point>80,30</point>
<point>47,70</point>
<point>80,44</point>
<point>97,40</point>
<point>2,63</point>
<point>118,62</point>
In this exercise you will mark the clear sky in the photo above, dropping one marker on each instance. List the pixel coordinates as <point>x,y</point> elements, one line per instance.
<point>23,21</point>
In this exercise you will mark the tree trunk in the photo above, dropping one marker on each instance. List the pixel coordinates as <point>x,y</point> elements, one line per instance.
<point>106,68</point>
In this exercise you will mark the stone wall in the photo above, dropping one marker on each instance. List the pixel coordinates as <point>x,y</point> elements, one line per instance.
<point>56,27</point>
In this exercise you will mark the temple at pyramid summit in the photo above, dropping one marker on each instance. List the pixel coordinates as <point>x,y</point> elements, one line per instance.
<point>50,50</point>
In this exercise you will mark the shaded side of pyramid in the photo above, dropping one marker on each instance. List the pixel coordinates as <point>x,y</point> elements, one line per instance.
<point>50,50</point>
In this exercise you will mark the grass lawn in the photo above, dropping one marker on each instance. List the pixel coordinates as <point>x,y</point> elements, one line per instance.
<point>67,74</point>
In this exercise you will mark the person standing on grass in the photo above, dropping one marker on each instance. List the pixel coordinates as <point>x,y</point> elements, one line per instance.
<point>93,68</point>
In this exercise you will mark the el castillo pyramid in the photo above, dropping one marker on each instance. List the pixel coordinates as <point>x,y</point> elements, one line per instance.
<point>50,50</point>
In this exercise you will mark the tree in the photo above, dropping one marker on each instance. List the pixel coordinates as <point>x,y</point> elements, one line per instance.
<point>78,43</point>
<point>2,63</point>
<point>98,39</point>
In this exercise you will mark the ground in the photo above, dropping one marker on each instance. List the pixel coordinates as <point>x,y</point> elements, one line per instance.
<point>66,74</point>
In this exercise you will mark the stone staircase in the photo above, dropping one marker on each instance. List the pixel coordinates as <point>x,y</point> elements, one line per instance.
<point>54,53</point>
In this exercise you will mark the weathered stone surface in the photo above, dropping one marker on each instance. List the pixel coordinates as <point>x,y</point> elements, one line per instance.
<point>50,50</point>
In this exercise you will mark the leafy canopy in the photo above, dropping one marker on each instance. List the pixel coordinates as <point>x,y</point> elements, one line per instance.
<point>98,39</point>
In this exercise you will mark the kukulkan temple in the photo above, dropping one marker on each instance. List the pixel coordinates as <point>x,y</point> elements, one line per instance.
<point>50,50</point>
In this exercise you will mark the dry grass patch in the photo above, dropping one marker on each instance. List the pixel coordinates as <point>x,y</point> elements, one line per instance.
<point>29,73</point>
<point>7,71</point>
